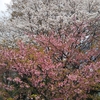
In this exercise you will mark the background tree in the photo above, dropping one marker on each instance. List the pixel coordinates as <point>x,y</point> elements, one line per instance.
<point>34,16</point>
<point>31,16</point>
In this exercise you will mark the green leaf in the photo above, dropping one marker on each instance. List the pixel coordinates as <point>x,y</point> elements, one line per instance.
<point>10,99</point>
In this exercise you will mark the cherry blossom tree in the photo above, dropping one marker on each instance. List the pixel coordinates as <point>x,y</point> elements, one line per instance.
<point>56,66</point>
<point>62,61</point>
<point>34,16</point>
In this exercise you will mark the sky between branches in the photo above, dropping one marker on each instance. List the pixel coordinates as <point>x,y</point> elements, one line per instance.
<point>3,5</point>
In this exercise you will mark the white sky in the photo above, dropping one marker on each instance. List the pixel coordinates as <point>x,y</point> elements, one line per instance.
<point>3,6</point>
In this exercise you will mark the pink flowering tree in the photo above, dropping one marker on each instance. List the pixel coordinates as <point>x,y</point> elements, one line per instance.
<point>54,66</point>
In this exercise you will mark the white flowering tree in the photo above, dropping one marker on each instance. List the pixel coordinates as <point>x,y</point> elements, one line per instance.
<point>35,15</point>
